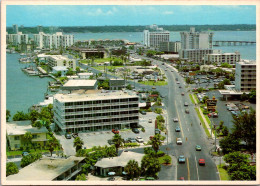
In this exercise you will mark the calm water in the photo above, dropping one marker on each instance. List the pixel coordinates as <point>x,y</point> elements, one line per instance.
<point>24,91</point>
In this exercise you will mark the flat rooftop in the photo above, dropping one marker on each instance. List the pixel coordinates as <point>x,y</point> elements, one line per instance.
<point>80,83</point>
<point>58,57</point>
<point>94,95</point>
<point>85,74</point>
<point>21,127</point>
<point>58,68</point>
<point>120,161</point>
<point>47,169</point>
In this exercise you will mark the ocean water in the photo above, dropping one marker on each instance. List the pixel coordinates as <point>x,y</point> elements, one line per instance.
<point>23,91</point>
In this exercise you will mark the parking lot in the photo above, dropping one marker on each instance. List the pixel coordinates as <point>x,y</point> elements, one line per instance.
<point>101,138</point>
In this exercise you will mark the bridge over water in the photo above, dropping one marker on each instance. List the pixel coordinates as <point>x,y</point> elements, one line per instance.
<point>233,43</point>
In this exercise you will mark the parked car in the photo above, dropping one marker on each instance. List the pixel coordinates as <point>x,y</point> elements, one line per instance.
<point>150,121</point>
<point>155,87</point>
<point>179,141</point>
<point>182,178</point>
<point>198,148</point>
<point>25,153</point>
<point>115,131</point>
<point>74,135</point>
<point>182,93</point>
<point>175,119</point>
<point>201,161</point>
<point>135,130</point>
<point>143,112</point>
<point>139,139</point>
<point>67,136</point>
<point>178,82</point>
<point>181,159</point>
<point>129,140</point>
<point>177,129</point>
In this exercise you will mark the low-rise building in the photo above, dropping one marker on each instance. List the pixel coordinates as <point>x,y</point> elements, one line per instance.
<point>80,84</point>
<point>49,169</point>
<point>85,75</point>
<point>59,60</point>
<point>95,110</point>
<point>196,55</point>
<point>170,47</point>
<point>16,130</point>
<point>61,69</point>
<point>116,84</point>
<point>230,58</point>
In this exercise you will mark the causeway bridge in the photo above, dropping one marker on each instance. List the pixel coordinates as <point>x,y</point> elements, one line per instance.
<point>233,43</point>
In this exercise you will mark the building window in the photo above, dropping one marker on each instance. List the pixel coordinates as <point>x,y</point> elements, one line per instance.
<point>34,136</point>
<point>17,138</point>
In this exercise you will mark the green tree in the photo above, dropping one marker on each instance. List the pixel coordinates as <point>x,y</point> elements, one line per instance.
<point>8,115</point>
<point>28,138</point>
<point>52,144</point>
<point>132,169</point>
<point>78,143</point>
<point>158,110</point>
<point>129,87</point>
<point>205,98</point>
<point>34,115</point>
<point>252,96</point>
<point>236,157</point>
<point>156,142</point>
<point>81,177</point>
<point>167,160</point>
<point>27,160</point>
<point>11,168</point>
<point>150,166</point>
<point>229,144</point>
<point>20,116</point>
<point>225,131</point>
<point>77,69</point>
<point>118,140</point>
<point>244,97</point>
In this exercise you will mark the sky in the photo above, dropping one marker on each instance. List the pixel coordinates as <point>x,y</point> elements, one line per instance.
<point>99,15</point>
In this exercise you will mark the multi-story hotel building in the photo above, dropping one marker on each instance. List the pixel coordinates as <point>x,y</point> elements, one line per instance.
<point>59,60</point>
<point>196,40</point>
<point>153,39</point>
<point>245,78</point>
<point>196,55</point>
<point>53,41</point>
<point>16,39</point>
<point>230,58</point>
<point>170,46</point>
<point>95,111</point>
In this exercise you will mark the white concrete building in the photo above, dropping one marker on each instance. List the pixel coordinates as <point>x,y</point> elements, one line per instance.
<point>16,39</point>
<point>59,60</point>
<point>53,41</point>
<point>15,29</point>
<point>153,39</point>
<point>85,75</point>
<point>170,46</point>
<point>61,69</point>
<point>80,84</point>
<point>196,40</point>
<point>196,55</point>
<point>245,77</point>
<point>95,111</point>
<point>230,58</point>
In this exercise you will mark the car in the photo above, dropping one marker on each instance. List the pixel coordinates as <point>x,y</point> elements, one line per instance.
<point>178,82</point>
<point>135,130</point>
<point>179,86</point>
<point>139,139</point>
<point>143,112</point>
<point>67,136</point>
<point>177,129</point>
<point>182,93</point>
<point>201,161</point>
<point>181,159</point>
<point>25,153</point>
<point>175,119</point>
<point>115,131</point>
<point>198,148</point>
<point>74,135</point>
<point>182,178</point>
<point>165,69</point>
<point>111,179</point>
<point>150,121</point>
<point>130,140</point>
<point>179,141</point>
<point>187,111</point>
<point>186,104</point>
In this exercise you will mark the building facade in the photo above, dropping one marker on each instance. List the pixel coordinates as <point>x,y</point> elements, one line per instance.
<point>153,39</point>
<point>196,40</point>
<point>95,111</point>
<point>59,60</point>
<point>172,47</point>
<point>54,41</point>
<point>196,55</point>
<point>230,58</point>
<point>245,77</point>
<point>16,39</point>
<point>15,29</point>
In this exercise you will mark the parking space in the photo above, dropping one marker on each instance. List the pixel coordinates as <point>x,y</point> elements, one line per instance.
<point>67,144</point>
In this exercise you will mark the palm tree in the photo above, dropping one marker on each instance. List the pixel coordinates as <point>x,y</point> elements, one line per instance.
<point>156,142</point>
<point>118,141</point>
<point>132,169</point>
<point>64,63</point>
<point>52,144</point>
<point>78,143</point>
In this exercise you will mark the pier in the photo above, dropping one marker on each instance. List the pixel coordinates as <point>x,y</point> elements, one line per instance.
<point>233,43</point>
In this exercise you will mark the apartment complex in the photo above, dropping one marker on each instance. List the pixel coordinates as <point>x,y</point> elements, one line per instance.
<point>196,40</point>
<point>95,111</point>
<point>230,58</point>
<point>172,47</point>
<point>59,60</point>
<point>15,29</point>
<point>153,39</point>
<point>245,77</point>
<point>196,55</point>
<point>53,41</point>
<point>16,39</point>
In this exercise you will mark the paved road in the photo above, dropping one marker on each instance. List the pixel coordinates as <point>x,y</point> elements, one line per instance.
<point>194,134</point>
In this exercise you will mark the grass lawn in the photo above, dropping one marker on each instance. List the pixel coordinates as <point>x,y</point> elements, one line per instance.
<point>223,172</point>
<point>108,67</point>
<point>102,60</point>
<point>196,98</point>
<point>191,98</point>
<point>152,83</point>
<point>161,159</point>
<point>19,152</point>
<point>203,124</point>
<point>207,118</point>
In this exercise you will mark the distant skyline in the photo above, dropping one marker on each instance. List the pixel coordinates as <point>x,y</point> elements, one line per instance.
<point>100,15</point>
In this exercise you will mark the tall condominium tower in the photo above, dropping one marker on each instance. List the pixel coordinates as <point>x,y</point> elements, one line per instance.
<point>153,39</point>
<point>15,29</point>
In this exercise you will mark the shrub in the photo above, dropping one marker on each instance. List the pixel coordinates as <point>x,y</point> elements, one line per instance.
<point>131,144</point>
<point>160,153</point>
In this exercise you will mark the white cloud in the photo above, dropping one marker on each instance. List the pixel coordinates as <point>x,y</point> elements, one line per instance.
<point>168,12</point>
<point>100,12</point>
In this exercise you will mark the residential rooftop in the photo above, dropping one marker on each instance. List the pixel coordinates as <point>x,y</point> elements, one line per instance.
<point>80,83</point>
<point>46,168</point>
<point>59,68</point>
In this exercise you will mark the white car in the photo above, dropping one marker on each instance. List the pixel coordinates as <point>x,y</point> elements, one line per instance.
<point>179,141</point>
<point>178,82</point>
<point>139,139</point>
<point>175,119</point>
<point>150,120</point>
